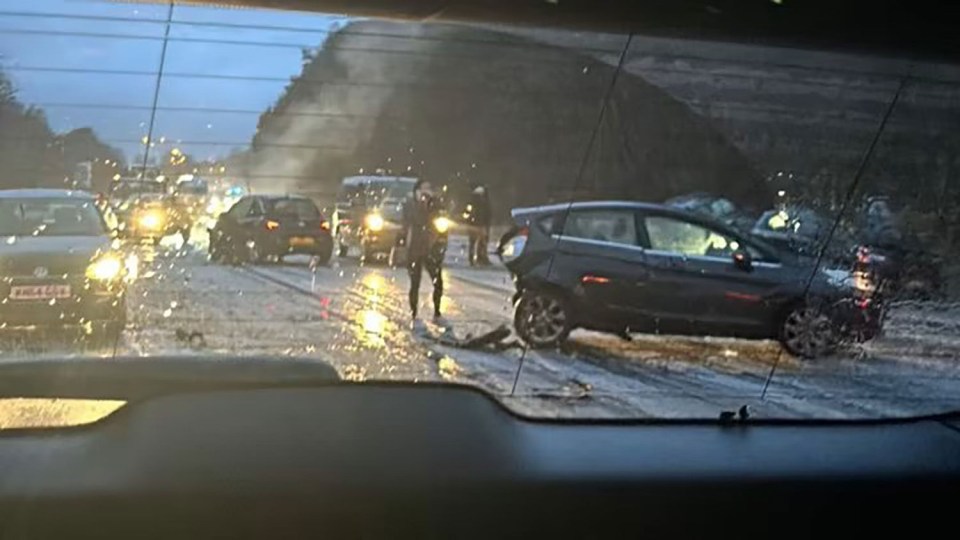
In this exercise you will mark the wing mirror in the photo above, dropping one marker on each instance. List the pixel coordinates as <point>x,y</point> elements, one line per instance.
<point>743,260</point>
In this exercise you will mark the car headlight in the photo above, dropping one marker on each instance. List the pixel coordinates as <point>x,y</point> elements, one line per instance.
<point>863,283</point>
<point>374,222</point>
<point>151,220</point>
<point>105,268</point>
<point>442,224</point>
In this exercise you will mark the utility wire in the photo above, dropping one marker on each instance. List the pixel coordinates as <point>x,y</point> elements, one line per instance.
<point>601,114</point>
<point>156,89</point>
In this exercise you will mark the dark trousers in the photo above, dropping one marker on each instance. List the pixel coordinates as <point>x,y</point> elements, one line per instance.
<point>479,238</point>
<point>416,267</point>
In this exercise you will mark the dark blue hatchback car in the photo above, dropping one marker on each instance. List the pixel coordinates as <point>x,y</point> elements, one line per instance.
<point>627,267</point>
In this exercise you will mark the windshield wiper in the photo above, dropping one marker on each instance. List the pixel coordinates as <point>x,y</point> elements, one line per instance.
<point>140,377</point>
<point>731,417</point>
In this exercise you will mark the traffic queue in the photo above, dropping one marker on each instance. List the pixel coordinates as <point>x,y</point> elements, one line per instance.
<point>616,266</point>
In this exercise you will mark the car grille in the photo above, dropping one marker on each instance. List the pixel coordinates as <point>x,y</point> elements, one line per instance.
<point>55,265</point>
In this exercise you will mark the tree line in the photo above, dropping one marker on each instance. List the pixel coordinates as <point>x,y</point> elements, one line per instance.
<point>33,155</point>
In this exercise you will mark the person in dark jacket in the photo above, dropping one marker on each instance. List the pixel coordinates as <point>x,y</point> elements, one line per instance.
<point>477,214</point>
<point>425,244</point>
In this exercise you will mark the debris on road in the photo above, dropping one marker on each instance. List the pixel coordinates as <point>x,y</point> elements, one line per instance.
<point>493,340</point>
<point>194,339</point>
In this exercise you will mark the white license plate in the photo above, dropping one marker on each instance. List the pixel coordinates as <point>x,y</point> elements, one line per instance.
<point>39,292</point>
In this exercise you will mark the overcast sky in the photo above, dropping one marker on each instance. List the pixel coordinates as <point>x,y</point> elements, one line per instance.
<point>95,63</point>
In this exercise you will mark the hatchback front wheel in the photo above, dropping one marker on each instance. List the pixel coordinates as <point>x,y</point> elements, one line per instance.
<point>809,333</point>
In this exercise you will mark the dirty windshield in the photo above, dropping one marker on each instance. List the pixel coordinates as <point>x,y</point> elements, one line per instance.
<point>590,225</point>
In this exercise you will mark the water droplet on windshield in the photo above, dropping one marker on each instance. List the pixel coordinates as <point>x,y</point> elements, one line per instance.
<point>167,313</point>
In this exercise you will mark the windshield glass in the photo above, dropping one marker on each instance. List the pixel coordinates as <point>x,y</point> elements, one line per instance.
<point>299,208</point>
<point>49,217</point>
<point>606,225</point>
<point>392,190</point>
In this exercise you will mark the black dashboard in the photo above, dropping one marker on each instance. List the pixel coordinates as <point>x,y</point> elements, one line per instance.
<point>423,461</point>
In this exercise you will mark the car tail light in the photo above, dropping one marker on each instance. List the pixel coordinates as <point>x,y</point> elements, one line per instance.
<point>590,278</point>
<point>512,245</point>
<point>272,225</point>
<point>325,225</point>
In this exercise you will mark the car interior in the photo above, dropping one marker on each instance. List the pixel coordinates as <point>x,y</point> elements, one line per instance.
<point>263,448</point>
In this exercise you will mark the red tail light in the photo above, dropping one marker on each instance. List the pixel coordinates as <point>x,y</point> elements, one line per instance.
<point>594,279</point>
<point>272,225</point>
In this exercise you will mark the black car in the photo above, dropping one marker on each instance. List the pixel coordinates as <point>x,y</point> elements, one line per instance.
<point>718,208</point>
<point>873,242</point>
<point>259,228</point>
<point>58,264</point>
<point>633,267</point>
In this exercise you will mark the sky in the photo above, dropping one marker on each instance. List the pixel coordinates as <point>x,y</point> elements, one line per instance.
<point>91,63</point>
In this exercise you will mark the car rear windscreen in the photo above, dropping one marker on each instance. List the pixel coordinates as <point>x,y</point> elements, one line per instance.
<point>300,208</point>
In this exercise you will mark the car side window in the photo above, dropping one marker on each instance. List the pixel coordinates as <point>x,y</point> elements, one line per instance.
<point>241,208</point>
<point>685,238</point>
<point>615,226</point>
<point>256,209</point>
<point>548,223</point>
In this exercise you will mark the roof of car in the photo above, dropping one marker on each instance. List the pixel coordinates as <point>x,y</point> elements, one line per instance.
<point>43,194</point>
<point>356,180</point>
<point>632,205</point>
<point>278,196</point>
<point>637,205</point>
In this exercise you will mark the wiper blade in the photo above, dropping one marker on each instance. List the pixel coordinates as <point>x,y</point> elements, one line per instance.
<point>131,378</point>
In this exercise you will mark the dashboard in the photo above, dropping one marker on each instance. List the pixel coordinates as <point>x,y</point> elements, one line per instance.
<point>428,460</point>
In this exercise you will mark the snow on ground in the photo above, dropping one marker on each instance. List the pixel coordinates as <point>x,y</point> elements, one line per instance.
<point>356,318</point>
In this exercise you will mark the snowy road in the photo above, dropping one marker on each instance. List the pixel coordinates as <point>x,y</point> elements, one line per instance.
<point>355,318</point>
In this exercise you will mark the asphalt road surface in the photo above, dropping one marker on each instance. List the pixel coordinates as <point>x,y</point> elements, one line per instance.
<point>355,317</point>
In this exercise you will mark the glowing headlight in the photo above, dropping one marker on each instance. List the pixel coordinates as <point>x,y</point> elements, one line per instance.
<point>105,268</point>
<point>374,222</point>
<point>151,220</point>
<point>442,224</point>
<point>862,282</point>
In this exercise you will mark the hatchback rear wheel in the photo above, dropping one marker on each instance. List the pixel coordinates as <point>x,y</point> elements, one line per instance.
<point>808,332</point>
<point>542,319</point>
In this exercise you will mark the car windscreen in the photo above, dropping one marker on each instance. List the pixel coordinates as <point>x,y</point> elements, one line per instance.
<point>806,224</point>
<point>585,240</point>
<point>192,188</point>
<point>298,208</point>
<point>49,217</point>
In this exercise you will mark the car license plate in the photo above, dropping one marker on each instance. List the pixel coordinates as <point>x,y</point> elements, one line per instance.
<point>300,241</point>
<point>39,292</point>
